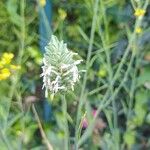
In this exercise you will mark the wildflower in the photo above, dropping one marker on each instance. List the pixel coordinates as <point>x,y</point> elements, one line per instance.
<point>1,64</point>
<point>84,121</point>
<point>6,59</point>
<point>60,71</point>
<point>139,12</point>
<point>15,67</point>
<point>102,72</point>
<point>62,14</point>
<point>6,67</point>
<point>4,74</point>
<point>42,2</point>
<point>138,30</point>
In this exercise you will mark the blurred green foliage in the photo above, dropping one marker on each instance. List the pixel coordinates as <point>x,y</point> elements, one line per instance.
<point>72,23</point>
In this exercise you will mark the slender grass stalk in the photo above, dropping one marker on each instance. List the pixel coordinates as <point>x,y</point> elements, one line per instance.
<point>105,41</point>
<point>66,129</point>
<point>97,90</point>
<point>132,90</point>
<point>46,141</point>
<point>81,100</point>
<point>5,140</point>
<point>20,55</point>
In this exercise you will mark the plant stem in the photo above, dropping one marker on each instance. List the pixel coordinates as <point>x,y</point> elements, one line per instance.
<point>20,55</point>
<point>66,130</point>
<point>81,100</point>
<point>46,141</point>
<point>4,138</point>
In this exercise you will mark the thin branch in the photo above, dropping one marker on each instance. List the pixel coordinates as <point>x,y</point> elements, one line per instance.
<point>49,146</point>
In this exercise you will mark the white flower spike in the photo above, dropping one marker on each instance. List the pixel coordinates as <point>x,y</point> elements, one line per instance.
<point>60,71</point>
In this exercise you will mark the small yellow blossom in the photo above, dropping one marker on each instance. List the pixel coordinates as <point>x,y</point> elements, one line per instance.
<point>4,74</point>
<point>6,58</point>
<point>102,72</point>
<point>62,14</point>
<point>139,12</point>
<point>138,30</point>
<point>6,68</point>
<point>15,67</point>
<point>42,2</point>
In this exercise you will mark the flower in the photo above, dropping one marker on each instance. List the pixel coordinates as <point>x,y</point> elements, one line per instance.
<point>138,30</point>
<point>139,12</point>
<point>6,59</point>
<point>42,2</point>
<point>6,68</point>
<point>84,121</point>
<point>4,74</point>
<point>15,67</point>
<point>62,14</point>
<point>102,72</point>
<point>60,71</point>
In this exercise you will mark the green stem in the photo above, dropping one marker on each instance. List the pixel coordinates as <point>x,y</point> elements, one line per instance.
<point>6,142</point>
<point>81,100</point>
<point>105,42</point>
<point>66,129</point>
<point>43,134</point>
<point>20,55</point>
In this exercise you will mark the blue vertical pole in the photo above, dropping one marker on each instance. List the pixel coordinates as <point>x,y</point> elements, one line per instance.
<point>45,14</point>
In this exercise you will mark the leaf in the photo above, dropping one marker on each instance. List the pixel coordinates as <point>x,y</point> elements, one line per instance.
<point>69,118</point>
<point>129,138</point>
<point>12,10</point>
<point>13,120</point>
<point>144,77</point>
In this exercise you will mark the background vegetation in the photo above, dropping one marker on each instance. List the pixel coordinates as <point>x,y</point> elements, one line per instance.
<point>113,42</point>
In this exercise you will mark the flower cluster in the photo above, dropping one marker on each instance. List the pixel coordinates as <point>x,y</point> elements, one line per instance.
<point>139,12</point>
<point>60,71</point>
<point>6,67</point>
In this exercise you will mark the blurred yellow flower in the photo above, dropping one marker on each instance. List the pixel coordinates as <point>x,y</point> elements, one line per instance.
<point>62,14</point>
<point>6,58</point>
<point>102,72</point>
<point>139,12</point>
<point>15,67</point>
<point>42,2</point>
<point>1,64</point>
<point>138,30</point>
<point>6,68</point>
<point>4,74</point>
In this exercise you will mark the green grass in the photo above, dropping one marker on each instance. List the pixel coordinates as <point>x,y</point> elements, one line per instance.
<point>104,35</point>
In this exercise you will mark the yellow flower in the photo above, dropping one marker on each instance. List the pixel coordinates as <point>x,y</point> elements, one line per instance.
<point>1,64</point>
<point>62,14</point>
<point>15,67</point>
<point>42,2</point>
<point>102,72</point>
<point>4,74</point>
<point>6,58</point>
<point>138,30</point>
<point>139,12</point>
